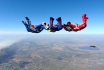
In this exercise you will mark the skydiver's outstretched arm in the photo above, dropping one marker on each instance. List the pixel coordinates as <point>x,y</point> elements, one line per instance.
<point>46,27</point>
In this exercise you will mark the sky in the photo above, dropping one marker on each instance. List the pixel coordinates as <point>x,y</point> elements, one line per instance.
<point>12,12</point>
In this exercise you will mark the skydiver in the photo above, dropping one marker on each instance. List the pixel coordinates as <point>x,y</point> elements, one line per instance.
<point>33,28</point>
<point>93,46</point>
<point>76,27</point>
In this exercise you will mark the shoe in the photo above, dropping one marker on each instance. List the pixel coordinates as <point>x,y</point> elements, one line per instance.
<point>52,18</point>
<point>58,19</point>
<point>23,22</point>
<point>86,17</point>
<point>27,18</point>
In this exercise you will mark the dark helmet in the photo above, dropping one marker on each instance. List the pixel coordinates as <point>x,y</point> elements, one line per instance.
<point>68,23</point>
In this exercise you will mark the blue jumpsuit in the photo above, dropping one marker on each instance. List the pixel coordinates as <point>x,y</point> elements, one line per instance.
<point>37,29</point>
<point>57,27</point>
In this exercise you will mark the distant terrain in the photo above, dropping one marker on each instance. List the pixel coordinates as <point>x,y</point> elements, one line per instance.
<point>54,52</point>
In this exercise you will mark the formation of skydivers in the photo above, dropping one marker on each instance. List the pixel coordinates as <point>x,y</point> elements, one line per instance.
<point>57,27</point>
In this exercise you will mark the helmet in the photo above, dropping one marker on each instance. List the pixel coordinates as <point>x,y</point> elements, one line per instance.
<point>43,23</point>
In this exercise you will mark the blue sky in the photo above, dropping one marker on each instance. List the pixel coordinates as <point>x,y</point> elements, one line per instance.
<point>12,12</point>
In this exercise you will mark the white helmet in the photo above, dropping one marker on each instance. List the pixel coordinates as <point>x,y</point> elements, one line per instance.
<point>43,23</point>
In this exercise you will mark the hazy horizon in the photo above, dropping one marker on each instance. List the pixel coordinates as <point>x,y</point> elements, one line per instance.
<point>7,40</point>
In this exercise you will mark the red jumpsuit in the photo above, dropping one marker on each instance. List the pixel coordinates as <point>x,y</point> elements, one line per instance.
<point>76,27</point>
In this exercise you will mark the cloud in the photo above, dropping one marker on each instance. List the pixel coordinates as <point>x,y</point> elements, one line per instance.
<point>3,32</point>
<point>7,43</point>
<point>8,40</point>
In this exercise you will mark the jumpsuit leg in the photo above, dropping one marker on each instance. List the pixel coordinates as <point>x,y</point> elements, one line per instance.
<point>84,19</point>
<point>59,23</point>
<point>84,24</point>
<point>28,21</point>
<point>27,27</point>
<point>81,26</point>
<point>51,22</point>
